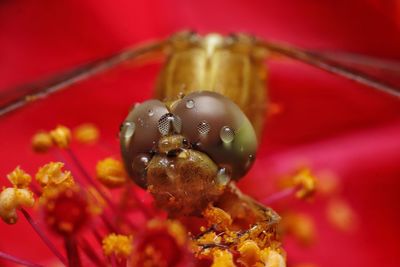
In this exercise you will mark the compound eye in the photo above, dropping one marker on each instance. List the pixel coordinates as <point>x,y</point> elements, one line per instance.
<point>169,123</point>
<point>215,125</point>
<point>139,136</point>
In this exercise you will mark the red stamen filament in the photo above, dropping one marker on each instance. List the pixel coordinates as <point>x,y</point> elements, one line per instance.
<point>17,260</point>
<point>72,251</point>
<point>43,236</point>
<point>90,180</point>
<point>90,253</point>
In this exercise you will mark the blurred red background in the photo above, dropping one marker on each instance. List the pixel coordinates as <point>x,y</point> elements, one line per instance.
<point>327,122</point>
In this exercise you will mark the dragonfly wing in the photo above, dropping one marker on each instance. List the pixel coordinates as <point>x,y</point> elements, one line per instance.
<point>15,98</point>
<point>376,73</point>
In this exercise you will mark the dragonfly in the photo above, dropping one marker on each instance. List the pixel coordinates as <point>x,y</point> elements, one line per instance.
<point>199,135</point>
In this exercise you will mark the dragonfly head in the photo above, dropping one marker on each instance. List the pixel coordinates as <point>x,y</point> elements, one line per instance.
<point>186,153</point>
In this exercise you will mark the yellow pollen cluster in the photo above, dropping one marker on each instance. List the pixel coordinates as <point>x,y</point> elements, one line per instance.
<point>118,245</point>
<point>53,179</point>
<point>61,136</point>
<point>306,183</point>
<point>111,173</point>
<point>14,198</point>
<point>341,215</point>
<point>217,216</point>
<point>86,133</point>
<point>272,258</point>
<point>301,226</point>
<point>222,258</point>
<point>19,178</point>
<point>257,246</point>
<point>43,141</point>
<point>252,255</point>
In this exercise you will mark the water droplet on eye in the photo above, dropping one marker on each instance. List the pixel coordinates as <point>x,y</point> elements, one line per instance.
<point>226,134</point>
<point>222,177</point>
<point>250,160</point>
<point>203,128</point>
<point>139,168</point>
<point>140,121</point>
<point>190,103</point>
<point>150,112</point>
<point>128,128</point>
<point>127,131</point>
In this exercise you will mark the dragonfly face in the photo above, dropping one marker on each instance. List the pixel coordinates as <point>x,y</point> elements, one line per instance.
<point>186,152</point>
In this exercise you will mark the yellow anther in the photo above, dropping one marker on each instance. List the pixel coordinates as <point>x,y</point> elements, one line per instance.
<point>217,216</point>
<point>301,226</point>
<point>306,183</point>
<point>249,253</point>
<point>341,215</point>
<point>86,133</point>
<point>19,178</point>
<point>11,199</point>
<point>61,136</point>
<point>111,173</point>
<point>118,245</point>
<point>272,258</point>
<point>222,258</point>
<point>53,179</point>
<point>41,142</point>
<point>209,238</point>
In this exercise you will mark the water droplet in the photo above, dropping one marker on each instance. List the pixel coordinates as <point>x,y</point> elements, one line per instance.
<point>226,134</point>
<point>250,160</point>
<point>222,177</point>
<point>140,121</point>
<point>190,103</point>
<point>203,128</point>
<point>128,129</point>
<point>150,112</point>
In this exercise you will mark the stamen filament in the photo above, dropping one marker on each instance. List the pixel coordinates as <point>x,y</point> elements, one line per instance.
<point>72,251</point>
<point>279,195</point>
<point>42,235</point>
<point>90,180</point>
<point>17,260</point>
<point>90,253</point>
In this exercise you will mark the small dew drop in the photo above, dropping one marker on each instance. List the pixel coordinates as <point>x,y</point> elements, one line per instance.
<point>250,160</point>
<point>140,121</point>
<point>222,177</point>
<point>190,103</point>
<point>150,112</point>
<point>226,134</point>
<point>203,128</point>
